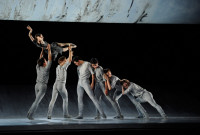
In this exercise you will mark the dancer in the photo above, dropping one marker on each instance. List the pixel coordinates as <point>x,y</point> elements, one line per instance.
<point>100,88</point>
<point>112,89</point>
<point>133,90</point>
<point>84,70</point>
<point>42,69</point>
<point>59,85</point>
<point>57,48</point>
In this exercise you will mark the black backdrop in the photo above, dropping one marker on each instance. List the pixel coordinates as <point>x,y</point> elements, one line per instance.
<point>163,58</point>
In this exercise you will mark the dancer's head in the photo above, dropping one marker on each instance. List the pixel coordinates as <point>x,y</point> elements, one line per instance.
<point>42,62</point>
<point>94,62</point>
<point>77,60</point>
<point>125,83</point>
<point>62,60</point>
<point>107,71</point>
<point>39,37</point>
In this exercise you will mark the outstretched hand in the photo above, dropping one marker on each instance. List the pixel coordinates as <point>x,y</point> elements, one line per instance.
<point>72,45</point>
<point>29,28</point>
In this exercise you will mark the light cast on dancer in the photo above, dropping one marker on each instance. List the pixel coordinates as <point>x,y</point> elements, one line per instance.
<point>56,48</point>
<point>84,71</point>
<point>100,88</point>
<point>59,85</point>
<point>113,89</point>
<point>133,90</point>
<point>42,68</point>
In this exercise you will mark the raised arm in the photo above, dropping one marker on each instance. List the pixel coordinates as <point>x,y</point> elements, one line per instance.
<point>69,59</point>
<point>49,57</point>
<point>41,54</point>
<point>70,54</point>
<point>49,52</point>
<point>30,33</point>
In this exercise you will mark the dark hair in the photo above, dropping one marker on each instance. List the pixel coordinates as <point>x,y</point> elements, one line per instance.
<point>94,61</point>
<point>40,61</point>
<point>76,59</point>
<point>37,35</point>
<point>106,70</point>
<point>124,81</point>
<point>61,59</point>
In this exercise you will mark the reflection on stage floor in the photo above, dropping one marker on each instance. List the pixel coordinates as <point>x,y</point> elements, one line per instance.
<point>89,123</point>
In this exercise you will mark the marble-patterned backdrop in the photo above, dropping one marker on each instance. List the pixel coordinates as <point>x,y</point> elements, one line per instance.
<point>106,11</point>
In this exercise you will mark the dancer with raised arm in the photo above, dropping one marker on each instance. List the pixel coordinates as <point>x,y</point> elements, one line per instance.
<point>59,85</point>
<point>56,48</point>
<point>42,68</point>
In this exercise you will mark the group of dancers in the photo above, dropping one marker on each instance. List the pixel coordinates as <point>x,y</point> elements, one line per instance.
<point>103,83</point>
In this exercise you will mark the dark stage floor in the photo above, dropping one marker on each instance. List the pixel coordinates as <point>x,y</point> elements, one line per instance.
<point>90,124</point>
<point>16,100</point>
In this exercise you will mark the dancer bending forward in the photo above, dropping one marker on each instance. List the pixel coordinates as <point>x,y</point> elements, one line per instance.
<point>139,95</point>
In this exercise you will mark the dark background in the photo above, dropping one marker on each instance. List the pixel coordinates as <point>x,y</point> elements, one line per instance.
<point>162,58</point>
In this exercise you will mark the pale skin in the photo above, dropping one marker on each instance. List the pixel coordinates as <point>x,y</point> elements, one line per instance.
<point>41,54</point>
<point>49,55</point>
<point>69,58</point>
<point>80,62</point>
<point>93,80</point>
<point>107,77</point>
<point>40,40</point>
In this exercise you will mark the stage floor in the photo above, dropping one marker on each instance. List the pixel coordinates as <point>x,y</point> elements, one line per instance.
<point>89,123</point>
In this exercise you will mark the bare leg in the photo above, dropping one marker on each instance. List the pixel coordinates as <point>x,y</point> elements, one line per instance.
<point>67,44</point>
<point>65,49</point>
<point>62,44</point>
